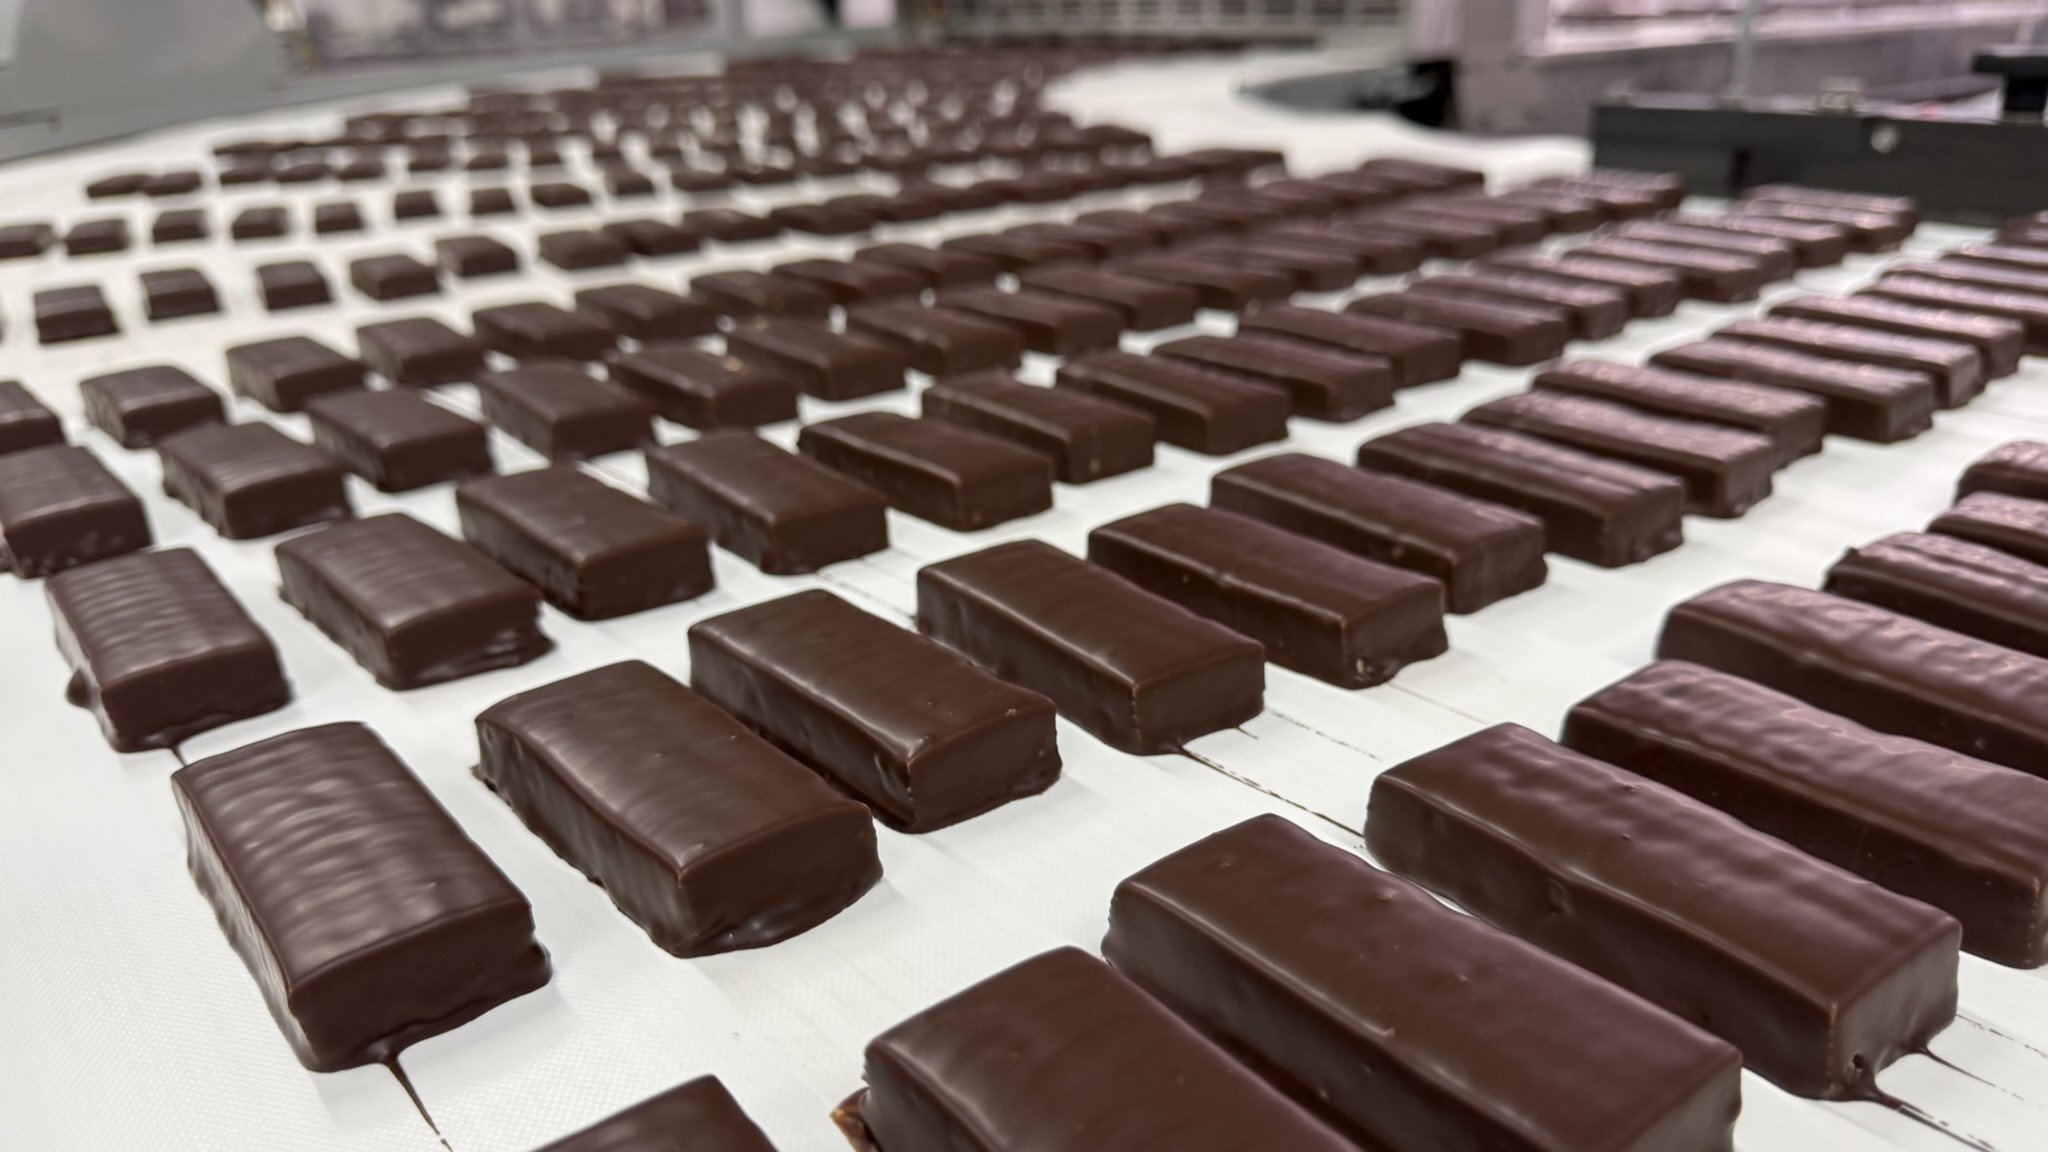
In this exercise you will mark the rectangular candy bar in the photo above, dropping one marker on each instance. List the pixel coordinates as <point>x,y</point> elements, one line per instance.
<point>701,832</point>
<point>1497,332</point>
<point>1892,672</point>
<point>1967,837</point>
<point>160,650</point>
<point>1318,609</point>
<point>251,480</point>
<point>1407,1025</point>
<point>2028,307</point>
<point>852,282</point>
<point>2018,468</point>
<point>1310,269</point>
<point>1864,401</point>
<point>938,341</point>
<point>411,605</point>
<point>1819,977</point>
<point>26,423</point>
<point>60,507</point>
<point>1050,324</point>
<point>74,313</point>
<point>367,918</point>
<point>419,352</point>
<point>1957,368</point>
<point>1374,253</point>
<point>564,413</point>
<point>823,363</point>
<point>1953,583</point>
<point>781,512</point>
<point>170,293</point>
<point>1218,284</point>
<point>742,294</point>
<point>1085,437</point>
<point>1481,552</point>
<point>137,406</point>
<point>1146,305</point>
<point>1901,206</point>
<point>1442,237</point>
<point>397,439</point>
<point>1194,408</point>
<point>1998,341</point>
<point>538,330</point>
<point>1793,421</point>
<point>1815,244</point>
<point>1651,291</point>
<point>1868,231</point>
<point>284,373</point>
<point>697,389</point>
<point>2011,524</point>
<point>1776,259</point>
<point>950,475</point>
<point>1322,382</point>
<point>1061,1054</point>
<point>1140,672</point>
<point>1726,470</point>
<point>1595,312</point>
<point>702,1108</point>
<point>577,249</point>
<point>1593,509</point>
<point>938,267</point>
<point>923,736</point>
<point>292,284</point>
<point>1421,353</point>
<point>646,313</point>
<point>393,276</point>
<point>471,256</point>
<point>1709,274</point>
<point>594,551</point>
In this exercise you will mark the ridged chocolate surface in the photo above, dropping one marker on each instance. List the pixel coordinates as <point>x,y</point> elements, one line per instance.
<point>1955,365</point>
<point>2012,524</point>
<point>1794,421</point>
<point>1406,1025</point>
<point>1821,978</point>
<point>1193,407</point>
<point>1972,288</point>
<point>25,422</point>
<point>702,833</point>
<point>1421,354</point>
<point>60,507</point>
<point>1086,437</point>
<point>2019,468</point>
<point>1998,341</point>
<point>366,916</point>
<point>283,374</point>
<point>1970,588</point>
<point>137,406</point>
<point>700,1112</point>
<point>251,480</point>
<point>1865,401</point>
<point>1596,312</point>
<point>954,477</point>
<point>1322,383</point>
<point>1495,331</point>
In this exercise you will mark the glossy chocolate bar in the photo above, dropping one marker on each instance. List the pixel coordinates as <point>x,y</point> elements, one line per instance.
<point>699,389</point>
<point>1051,324</point>
<point>2012,524</point>
<point>538,330</point>
<point>852,282</point>
<point>1420,353</point>
<point>1998,341</point>
<point>160,650</point>
<point>1957,584</point>
<point>1708,274</point>
<point>26,423</point>
<point>1864,401</point>
<point>1497,332</point>
<point>1218,283</point>
<point>74,313</point>
<point>950,475</point>
<point>1322,382</point>
<point>1317,609</point>
<point>2018,468</point>
<point>1877,667</point>
<point>938,341</point>
<point>781,512</point>
<point>368,919</point>
<point>397,439</point>
<point>1651,291</point>
<point>1820,978</point>
<point>412,606</point>
<point>1955,366</point>
<point>578,249</point>
<point>1965,836</point>
<point>138,406</point>
<point>393,277</point>
<point>1816,244</point>
<point>1146,305</point>
<point>292,284</point>
<point>939,267</point>
<point>284,373</point>
<point>1776,259</point>
<point>1407,1026</point>
<point>700,1110</point>
<point>1140,672</point>
<point>419,352</point>
<point>170,293</point>
<point>1793,421</point>
<point>645,313</point>
<point>1196,408</point>
<point>251,480</point>
<point>60,507</point>
<point>1085,437</point>
<point>823,363</point>
<point>2027,306</point>
<point>923,736</point>
<point>472,256</point>
<point>594,551</point>
<point>700,831</point>
<point>1594,509</point>
<point>1593,311</point>
<point>563,412</point>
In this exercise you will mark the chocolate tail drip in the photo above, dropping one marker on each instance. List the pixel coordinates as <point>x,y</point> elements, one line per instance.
<point>390,1062</point>
<point>1871,1093</point>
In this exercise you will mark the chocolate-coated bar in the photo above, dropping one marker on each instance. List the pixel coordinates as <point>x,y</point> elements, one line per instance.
<point>1594,509</point>
<point>1877,667</point>
<point>1481,552</point>
<point>594,551</point>
<point>1319,610</point>
<point>1868,231</point>
<point>74,313</point>
<point>397,439</point>
<point>577,249</point>
<point>646,313</point>
<point>1793,421</point>
<point>938,341</point>
<point>702,832</point>
<point>1776,259</point>
<point>25,241</point>
<point>1816,244</point>
<point>2012,524</point>
<point>138,406</point>
<point>1651,291</point>
<point>853,282</point>
<point>415,204</point>
<point>1513,223</point>
<point>1495,331</point>
<point>260,222</point>
<point>1820,978</point>
<point>1967,837</point>
<point>283,374</point>
<point>60,507</point>
<point>1864,401</point>
<point>1900,206</point>
<point>651,237</point>
<point>2024,256</point>
<point>419,352</point>
<point>160,650</point>
<point>823,363</point>
<point>1052,324</point>
<point>1219,284</point>
<point>781,512</point>
<point>472,256</point>
<point>1140,672</point>
<point>2029,307</point>
<point>1956,367</point>
<point>698,389</point>
<point>939,267</point>
<point>1375,253</point>
<point>730,225</point>
<point>251,480</point>
<point>1062,1054</point>
<point>1421,353</point>
<point>411,605</point>
<point>1193,407</point>
<point>700,1110</point>
<point>1952,268</point>
<point>564,413</point>
<point>923,736</point>
<point>1015,253</point>
<point>94,237</point>
<point>1322,382</point>
<point>170,293</point>
<point>292,284</point>
<point>2019,468</point>
<point>938,471</point>
<point>1310,269</point>
<point>1709,274</point>
<point>1442,237</point>
<point>1164,230</point>
<point>1146,305</point>
<point>1085,437</point>
<point>1595,312</point>
<point>1408,1026</point>
<point>538,330</point>
<point>1725,470</point>
<point>368,919</point>
<point>1101,242</point>
<point>1957,584</point>
<point>1998,341</point>
<point>26,423</point>
<point>392,277</point>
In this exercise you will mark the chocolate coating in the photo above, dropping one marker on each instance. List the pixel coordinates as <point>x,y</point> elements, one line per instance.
<point>1601,511</point>
<point>650,237</point>
<point>398,440</point>
<point>1956,584</point>
<point>744,294</point>
<point>919,733</point>
<point>697,389</point>
<point>160,650</point>
<point>1793,421</point>
<point>1891,672</point>
<point>393,277</point>
<point>260,222</point>
<point>1193,407</point>
<point>700,1111</point>
<point>2019,468</point>
<point>1815,244</point>
<point>1050,324</point>
<point>938,267</point>
<point>292,284</point>
<point>25,241</point>
<point>367,918</point>
<point>1061,1054</point>
<point>781,512</point>
<point>950,475</point>
<point>1592,311</point>
<point>411,605</point>
<point>1651,291</point>
<point>1322,383</point>
<point>1086,438</point>
<point>283,374</point>
<point>251,480</point>
<point>1819,977</point>
<point>2027,306</point>
<point>1965,836</point>
<point>563,412</point>
<point>25,422</point>
<point>1420,353</point>
<point>95,237</point>
<point>2013,524</point>
<point>937,341</point>
<point>1998,341</point>
<point>1726,470</point>
<point>730,225</point>
<point>60,507</point>
<point>1864,401</point>
<point>594,551</point>
<point>1776,259</point>
<point>1307,267</point>
<point>823,363</point>
<point>1496,331</point>
<point>79,312</point>
<point>137,406</point>
<point>536,330</point>
<point>1407,1026</point>
<point>1718,276</point>
<point>419,352</point>
<point>1218,283</point>
<point>471,256</point>
<point>853,282</point>
<point>1146,305</point>
<point>645,313</point>
<point>576,249</point>
<point>701,832</point>
<point>1956,367</point>
<point>1139,672</point>
<point>171,293</point>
